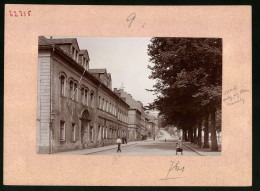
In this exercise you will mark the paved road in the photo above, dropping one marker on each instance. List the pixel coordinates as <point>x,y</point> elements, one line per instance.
<point>154,147</point>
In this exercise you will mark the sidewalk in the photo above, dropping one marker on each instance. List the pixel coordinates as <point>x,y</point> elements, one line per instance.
<point>98,149</point>
<point>203,151</point>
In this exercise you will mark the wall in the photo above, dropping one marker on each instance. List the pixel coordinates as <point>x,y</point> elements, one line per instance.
<point>43,102</point>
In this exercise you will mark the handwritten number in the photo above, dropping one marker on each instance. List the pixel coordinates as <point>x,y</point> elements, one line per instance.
<point>16,13</point>
<point>131,18</point>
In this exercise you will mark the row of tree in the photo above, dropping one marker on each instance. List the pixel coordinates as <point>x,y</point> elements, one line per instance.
<point>188,73</point>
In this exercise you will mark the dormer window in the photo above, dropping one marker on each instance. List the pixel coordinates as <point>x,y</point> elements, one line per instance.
<point>77,56</point>
<point>86,64</point>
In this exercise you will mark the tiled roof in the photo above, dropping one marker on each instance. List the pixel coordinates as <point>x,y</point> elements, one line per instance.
<point>62,40</point>
<point>131,101</point>
<point>43,41</point>
<point>99,70</point>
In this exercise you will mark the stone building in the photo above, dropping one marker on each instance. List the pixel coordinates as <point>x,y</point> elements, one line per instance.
<point>76,107</point>
<point>137,124</point>
<point>152,124</point>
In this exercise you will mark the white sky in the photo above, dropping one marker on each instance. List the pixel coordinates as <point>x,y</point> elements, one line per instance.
<point>126,59</point>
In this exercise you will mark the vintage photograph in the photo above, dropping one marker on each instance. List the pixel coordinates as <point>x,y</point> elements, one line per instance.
<point>157,96</point>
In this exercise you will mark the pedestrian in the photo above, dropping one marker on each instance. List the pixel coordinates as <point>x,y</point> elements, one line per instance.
<point>125,140</point>
<point>178,146</point>
<point>118,141</point>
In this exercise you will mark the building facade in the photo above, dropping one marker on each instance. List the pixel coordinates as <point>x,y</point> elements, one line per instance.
<point>138,122</point>
<point>76,107</point>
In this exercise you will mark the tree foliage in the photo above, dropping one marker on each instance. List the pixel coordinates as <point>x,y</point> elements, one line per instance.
<point>188,73</point>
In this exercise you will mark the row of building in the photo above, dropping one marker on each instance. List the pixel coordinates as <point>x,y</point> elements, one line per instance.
<point>76,106</point>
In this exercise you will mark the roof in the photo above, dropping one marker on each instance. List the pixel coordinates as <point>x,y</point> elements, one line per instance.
<point>82,52</point>
<point>98,70</point>
<point>131,101</point>
<point>45,41</point>
<point>62,40</point>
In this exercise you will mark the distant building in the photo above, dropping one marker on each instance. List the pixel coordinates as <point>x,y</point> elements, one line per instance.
<point>137,124</point>
<point>152,124</point>
<point>76,107</point>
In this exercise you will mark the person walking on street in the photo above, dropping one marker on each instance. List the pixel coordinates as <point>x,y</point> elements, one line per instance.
<point>178,146</point>
<point>125,140</point>
<point>118,141</point>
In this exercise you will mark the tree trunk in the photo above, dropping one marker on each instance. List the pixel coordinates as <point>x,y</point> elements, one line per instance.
<point>185,135</point>
<point>206,132</point>
<point>199,133</point>
<point>194,135</point>
<point>190,135</point>
<point>214,142</point>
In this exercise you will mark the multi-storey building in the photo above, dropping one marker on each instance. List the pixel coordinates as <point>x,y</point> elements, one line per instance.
<point>137,124</point>
<point>152,124</point>
<point>76,106</point>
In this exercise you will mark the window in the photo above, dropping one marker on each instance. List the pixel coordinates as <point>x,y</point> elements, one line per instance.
<point>71,90</point>
<point>77,56</point>
<point>107,106</point>
<point>62,85</point>
<point>99,102</point>
<point>76,92</point>
<point>85,64</point>
<point>92,99</point>
<point>91,134</point>
<point>73,132</point>
<point>86,97</point>
<point>74,53</point>
<point>62,130</point>
<point>110,107</point>
<point>103,102</point>
<point>82,95</point>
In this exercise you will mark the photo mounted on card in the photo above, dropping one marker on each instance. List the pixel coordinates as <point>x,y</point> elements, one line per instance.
<point>78,111</point>
<point>128,95</point>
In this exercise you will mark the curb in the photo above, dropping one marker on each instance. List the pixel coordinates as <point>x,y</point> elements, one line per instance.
<point>110,148</point>
<point>193,150</point>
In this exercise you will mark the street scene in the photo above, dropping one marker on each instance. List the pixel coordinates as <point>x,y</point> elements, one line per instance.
<point>164,145</point>
<point>129,96</point>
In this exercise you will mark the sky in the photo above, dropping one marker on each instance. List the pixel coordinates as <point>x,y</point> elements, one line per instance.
<point>126,59</point>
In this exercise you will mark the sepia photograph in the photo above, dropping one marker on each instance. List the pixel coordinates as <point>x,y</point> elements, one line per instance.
<point>98,95</point>
<point>164,101</point>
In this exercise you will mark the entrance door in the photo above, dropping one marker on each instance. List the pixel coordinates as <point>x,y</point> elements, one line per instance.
<point>85,119</point>
<point>84,133</point>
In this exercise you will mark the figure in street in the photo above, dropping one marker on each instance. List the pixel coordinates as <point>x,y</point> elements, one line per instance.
<point>118,141</point>
<point>178,147</point>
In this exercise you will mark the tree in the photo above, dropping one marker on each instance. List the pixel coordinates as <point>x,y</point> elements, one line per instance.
<point>188,73</point>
